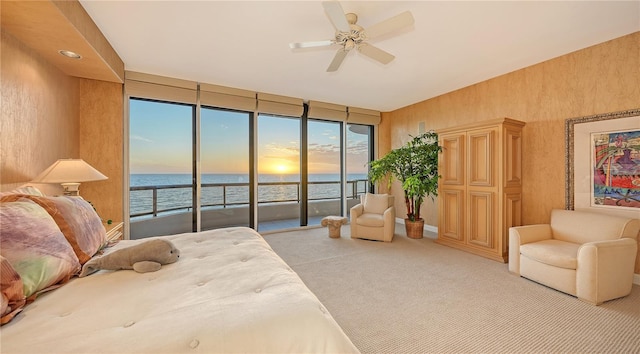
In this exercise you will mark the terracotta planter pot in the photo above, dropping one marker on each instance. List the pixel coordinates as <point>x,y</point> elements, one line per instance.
<point>414,229</point>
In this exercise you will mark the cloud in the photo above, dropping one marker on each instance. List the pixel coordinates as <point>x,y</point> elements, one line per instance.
<point>276,149</point>
<point>359,147</point>
<point>328,148</point>
<point>140,138</point>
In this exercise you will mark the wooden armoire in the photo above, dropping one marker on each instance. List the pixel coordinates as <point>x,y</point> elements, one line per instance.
<point>480,189</point>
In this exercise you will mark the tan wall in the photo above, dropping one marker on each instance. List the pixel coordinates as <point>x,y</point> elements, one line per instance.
<point>600,79</point>
<point>39,115</point>
<point>48,115</point>
<point>101,144</point>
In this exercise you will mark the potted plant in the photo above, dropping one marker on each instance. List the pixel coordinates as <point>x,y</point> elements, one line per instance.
<point>415,166</point>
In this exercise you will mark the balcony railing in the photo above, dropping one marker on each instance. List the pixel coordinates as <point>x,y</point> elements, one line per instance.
<point>226,202</point>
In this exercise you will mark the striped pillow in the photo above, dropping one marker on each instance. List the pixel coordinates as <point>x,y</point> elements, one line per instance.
<point>35,247</point>
<point>13,299</point>
<point>78,221</point>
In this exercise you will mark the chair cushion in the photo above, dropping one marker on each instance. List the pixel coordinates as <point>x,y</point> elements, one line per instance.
<point>376,203</point>
<point>370,220</point>
<point>552,252</point>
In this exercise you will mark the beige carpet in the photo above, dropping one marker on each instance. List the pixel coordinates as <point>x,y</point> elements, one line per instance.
<point>415,296</point>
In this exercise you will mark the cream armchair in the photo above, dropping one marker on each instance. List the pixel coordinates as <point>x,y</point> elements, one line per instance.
<point>374,218</point>
<point>588,255</point>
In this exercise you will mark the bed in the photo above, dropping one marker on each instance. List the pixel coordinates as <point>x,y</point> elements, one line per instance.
<point>228,292</point>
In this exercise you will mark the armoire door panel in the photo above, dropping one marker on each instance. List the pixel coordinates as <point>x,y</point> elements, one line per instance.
<point>481,157</point>
<point>453,216</point>
<point>513,160</point>
<point>452,160</point>
<point>512,214</point>
<point>481,219</point>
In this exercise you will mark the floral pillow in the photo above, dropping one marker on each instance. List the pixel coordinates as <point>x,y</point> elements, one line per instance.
<point>13,299</point>
<point>35,247</point>
<point>25,189</point>
<point>78,221</point>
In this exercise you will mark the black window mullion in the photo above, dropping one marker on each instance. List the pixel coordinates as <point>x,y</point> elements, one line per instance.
<point>343,168</point>
<point>252,173</point>
<point>194,176</point>
<point>304,165</point>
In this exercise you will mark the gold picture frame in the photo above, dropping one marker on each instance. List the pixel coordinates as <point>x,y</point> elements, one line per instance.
<point>577,135</point>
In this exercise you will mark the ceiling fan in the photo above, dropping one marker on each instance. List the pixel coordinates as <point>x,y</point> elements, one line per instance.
<point>349,35</point>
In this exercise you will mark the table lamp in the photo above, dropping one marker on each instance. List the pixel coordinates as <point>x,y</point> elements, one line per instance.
<point>69,173</point>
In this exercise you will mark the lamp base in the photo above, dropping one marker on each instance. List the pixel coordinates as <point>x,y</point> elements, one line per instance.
<point>71,188</point>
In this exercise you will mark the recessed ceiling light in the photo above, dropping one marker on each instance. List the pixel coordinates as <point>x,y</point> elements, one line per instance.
<point>70,54</point>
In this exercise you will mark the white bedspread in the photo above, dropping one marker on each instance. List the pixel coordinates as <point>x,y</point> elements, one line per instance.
<point>229,292</point>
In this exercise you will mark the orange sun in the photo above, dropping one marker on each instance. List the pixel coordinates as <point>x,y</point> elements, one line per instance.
<point>281,168</point>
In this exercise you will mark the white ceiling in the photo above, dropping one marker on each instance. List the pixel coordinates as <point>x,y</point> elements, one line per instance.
<point>453,44</point>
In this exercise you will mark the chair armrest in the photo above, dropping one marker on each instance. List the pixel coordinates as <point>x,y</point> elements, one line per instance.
<point>354,214</point>
<point>531,233</point>
<point>622,243</point>
<point>520,235</point>
<point>605,269</point>
<point>356,211</point>
<point>389,217</point>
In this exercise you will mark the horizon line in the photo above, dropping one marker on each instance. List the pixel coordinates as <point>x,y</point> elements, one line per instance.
<point>236,173</point>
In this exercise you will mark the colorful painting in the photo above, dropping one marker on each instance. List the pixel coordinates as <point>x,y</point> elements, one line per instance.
<point>616,169</point>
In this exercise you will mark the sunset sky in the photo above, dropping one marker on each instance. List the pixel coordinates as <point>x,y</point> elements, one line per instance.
<point>161,142</point>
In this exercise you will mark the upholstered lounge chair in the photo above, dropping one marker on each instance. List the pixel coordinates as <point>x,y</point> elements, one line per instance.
<point>588,255</point>
<point>374,218</point>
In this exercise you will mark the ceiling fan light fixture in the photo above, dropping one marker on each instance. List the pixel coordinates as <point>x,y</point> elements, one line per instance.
<point>349,44</point>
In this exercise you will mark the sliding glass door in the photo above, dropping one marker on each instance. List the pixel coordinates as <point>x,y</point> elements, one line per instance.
<point>324,170</point>
<point>225,168</point>
<point>278,160</point>
<point>359,148</point>
<point>161,167</point>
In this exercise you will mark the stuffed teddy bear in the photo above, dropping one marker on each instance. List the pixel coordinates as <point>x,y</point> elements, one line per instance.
<point>144,257</point>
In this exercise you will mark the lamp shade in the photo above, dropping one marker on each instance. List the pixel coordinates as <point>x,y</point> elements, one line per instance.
<point>69,170</point>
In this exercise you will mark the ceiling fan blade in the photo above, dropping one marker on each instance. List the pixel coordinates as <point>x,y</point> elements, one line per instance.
<point>311,44</point>
<point>336,15</point>
<point>337,60</point>
<point>375,53</point>
<point>392,24</point>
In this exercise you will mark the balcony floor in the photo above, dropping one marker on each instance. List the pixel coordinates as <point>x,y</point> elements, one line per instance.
<point>276,225</point>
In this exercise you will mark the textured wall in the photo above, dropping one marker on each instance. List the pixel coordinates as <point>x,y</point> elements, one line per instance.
<point>39,115</point>
<point>101,144</point>
<point>599,79</point>
<point>48,115</point>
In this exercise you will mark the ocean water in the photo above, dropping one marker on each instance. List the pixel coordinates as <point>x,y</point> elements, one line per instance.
<point>233,189</point>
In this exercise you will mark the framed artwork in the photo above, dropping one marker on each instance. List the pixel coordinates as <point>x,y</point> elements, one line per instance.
<point>602,169</point>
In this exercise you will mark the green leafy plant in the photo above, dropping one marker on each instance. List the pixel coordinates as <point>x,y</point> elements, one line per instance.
<point>415,166</point>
